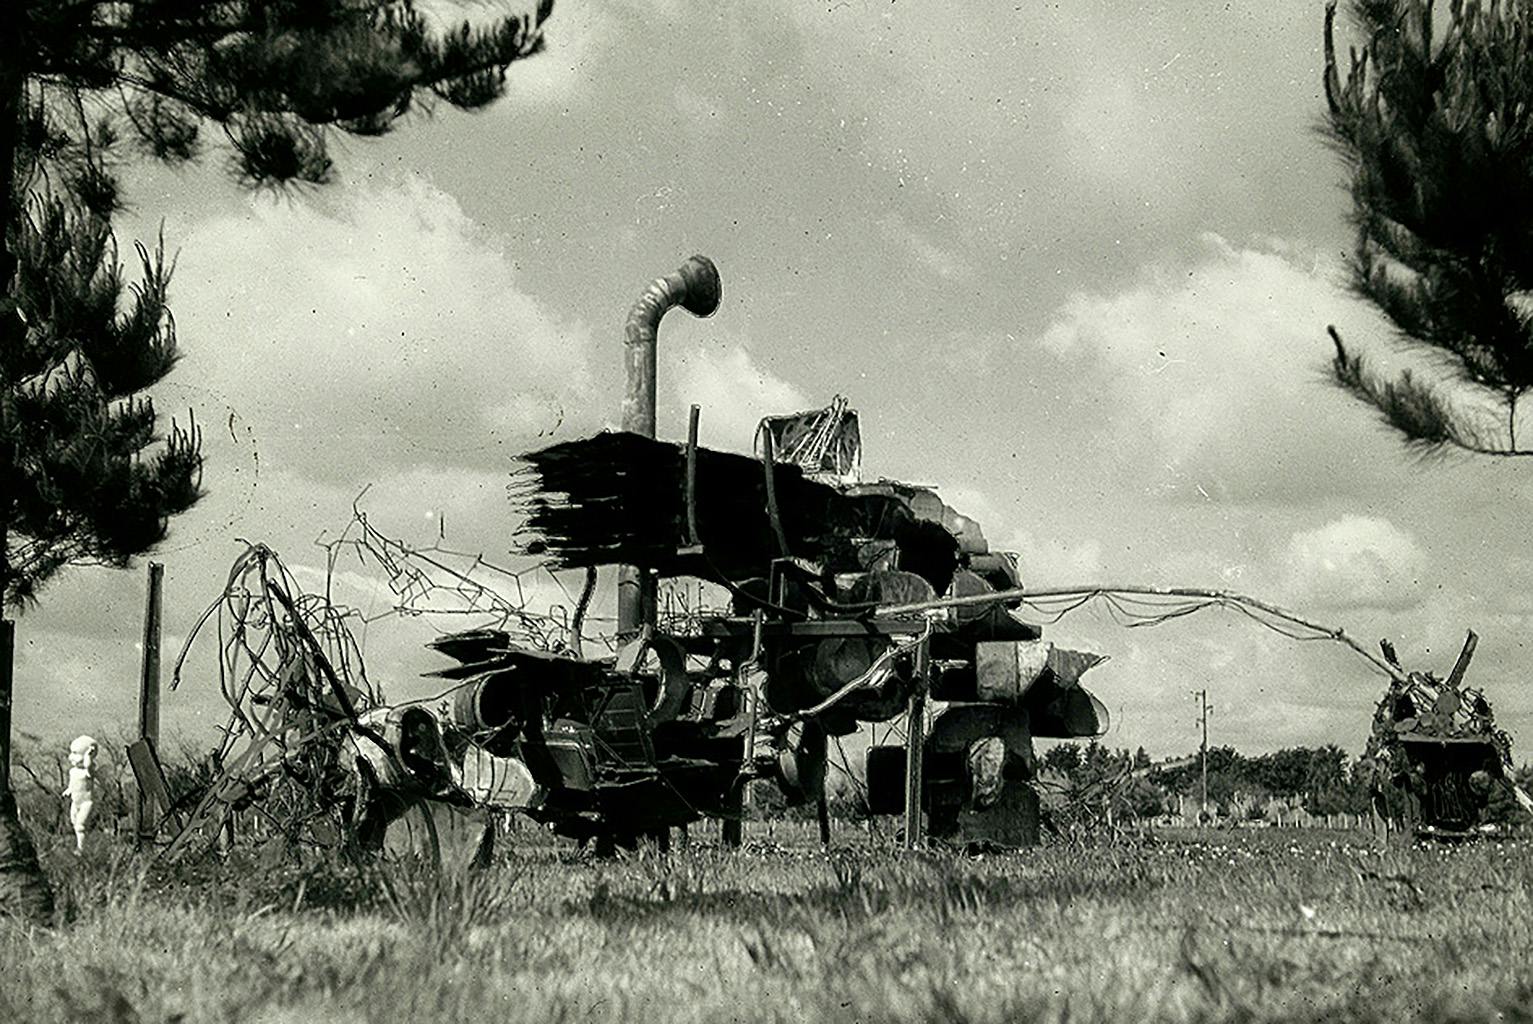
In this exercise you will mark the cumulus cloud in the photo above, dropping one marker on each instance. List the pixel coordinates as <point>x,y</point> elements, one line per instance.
<point>1216,372</point>
<point>368,335</point>
<point>1356,562</point>
<point>375,324</point>
<point>733,390</point>
<point>923,249</point>
<point>574,45</point>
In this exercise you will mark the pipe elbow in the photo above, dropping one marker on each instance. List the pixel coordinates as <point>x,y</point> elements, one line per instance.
<point>694,286</point>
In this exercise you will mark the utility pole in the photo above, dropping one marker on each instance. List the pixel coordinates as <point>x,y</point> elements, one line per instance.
<point>1203,710</point>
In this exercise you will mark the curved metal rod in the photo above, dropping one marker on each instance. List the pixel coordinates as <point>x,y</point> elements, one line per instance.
<point>769,468</point>
<point>577,624</point>
<point>856,684</point>
<point>1222,597</point>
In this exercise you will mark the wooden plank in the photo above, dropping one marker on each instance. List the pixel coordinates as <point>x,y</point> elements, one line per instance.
<point>1462,665</point>
<point>7,686</point>
<point>769,463</point>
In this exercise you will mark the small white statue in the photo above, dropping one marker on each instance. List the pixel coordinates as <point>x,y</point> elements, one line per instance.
<point>82,787</point>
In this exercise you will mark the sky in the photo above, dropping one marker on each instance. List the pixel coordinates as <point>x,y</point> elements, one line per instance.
<point>1073,264</point>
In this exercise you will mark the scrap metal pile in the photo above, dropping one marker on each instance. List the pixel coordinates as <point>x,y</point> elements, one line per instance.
<point>312,755</point>
<point>1437,740</point>
<point>668,727</point>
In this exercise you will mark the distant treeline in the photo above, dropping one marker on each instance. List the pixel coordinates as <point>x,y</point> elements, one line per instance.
<point>1090,783</point>
<point>1321,781</point>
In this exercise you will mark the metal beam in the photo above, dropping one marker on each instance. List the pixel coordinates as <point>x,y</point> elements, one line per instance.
<point>915,740</point>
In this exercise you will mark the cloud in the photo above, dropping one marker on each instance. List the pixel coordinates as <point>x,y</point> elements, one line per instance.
<point>368,335</point>
<point>940,260</point>
<point>1055,561</point>
<point>1356,562</point>
<point>377,324</point>
<point>1215,372</point>
<point>574,48</point>
<point>734,392</point>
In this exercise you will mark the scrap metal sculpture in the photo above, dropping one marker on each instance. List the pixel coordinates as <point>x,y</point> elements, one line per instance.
<point>675,725</point>
<point>1437,740</point>
<point>840,602</point>
<point>613,742</point>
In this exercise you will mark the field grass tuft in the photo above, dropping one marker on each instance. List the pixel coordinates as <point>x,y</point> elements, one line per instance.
<point>1257,926</point>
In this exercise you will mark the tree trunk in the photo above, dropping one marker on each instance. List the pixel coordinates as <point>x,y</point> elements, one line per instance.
<point>24,890</point>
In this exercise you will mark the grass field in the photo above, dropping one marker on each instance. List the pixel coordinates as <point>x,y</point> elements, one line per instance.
<point>1242,925</point>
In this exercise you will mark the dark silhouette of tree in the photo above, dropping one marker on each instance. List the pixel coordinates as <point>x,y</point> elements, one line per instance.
<point>1139,798</point>
<point>1064,758</point>
<point>84,86</point>
<point>1283,773</point>
<point>1434,120</point>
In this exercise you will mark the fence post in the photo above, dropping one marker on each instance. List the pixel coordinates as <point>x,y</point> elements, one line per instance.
<point>149,696</point>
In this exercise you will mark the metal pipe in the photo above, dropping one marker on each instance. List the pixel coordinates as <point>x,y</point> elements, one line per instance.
<point>769,464</point>
<point>915,746</point>
<point>1220,597</point>
<point>696,288</point>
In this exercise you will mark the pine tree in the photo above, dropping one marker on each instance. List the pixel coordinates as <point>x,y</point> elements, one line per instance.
<point>1434,121</point>
<point>84,86</point>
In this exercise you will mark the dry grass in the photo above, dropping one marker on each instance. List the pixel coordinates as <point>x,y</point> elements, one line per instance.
<point>1251,926</point>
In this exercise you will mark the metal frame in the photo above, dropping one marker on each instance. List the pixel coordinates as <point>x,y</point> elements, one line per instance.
<point>756,628</point>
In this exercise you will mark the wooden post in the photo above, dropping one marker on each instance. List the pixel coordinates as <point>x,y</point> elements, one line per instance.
<point>693,545</point>
<point>7,681</point>
<point>914,744</point>
<point>149,694</point>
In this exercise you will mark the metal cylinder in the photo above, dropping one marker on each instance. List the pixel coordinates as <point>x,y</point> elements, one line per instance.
<point>695,287</point>
<point>485,705</point>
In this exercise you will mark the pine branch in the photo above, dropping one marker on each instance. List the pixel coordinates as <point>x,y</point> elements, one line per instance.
<point>86,478</point>
<point>1436,130</point>
<point>1414,409</point>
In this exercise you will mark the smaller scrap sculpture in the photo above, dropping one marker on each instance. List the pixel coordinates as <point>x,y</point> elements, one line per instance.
<point>312,755</point>
<point>82,788</point>
<point>1437,740</point>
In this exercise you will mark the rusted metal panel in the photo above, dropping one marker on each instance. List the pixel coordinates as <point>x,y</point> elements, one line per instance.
<point>1005,671</point>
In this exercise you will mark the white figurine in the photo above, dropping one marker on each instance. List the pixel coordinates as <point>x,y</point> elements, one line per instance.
<point>82,787</point>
